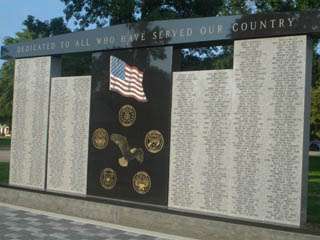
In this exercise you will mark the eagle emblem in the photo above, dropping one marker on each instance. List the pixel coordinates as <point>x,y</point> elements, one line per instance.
<point>128,153</point>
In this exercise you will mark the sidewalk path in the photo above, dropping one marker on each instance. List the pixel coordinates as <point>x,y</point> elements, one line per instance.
<point>19,223</point>
<point>4,155</point>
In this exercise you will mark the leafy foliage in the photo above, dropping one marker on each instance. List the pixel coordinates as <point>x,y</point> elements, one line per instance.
<point>110,12</point>
<point>38,28</point>
<point>102,13</point>
<point>6,92</point>
<point>34,28</point>
<point>286,5</point>
<point>315,113</point>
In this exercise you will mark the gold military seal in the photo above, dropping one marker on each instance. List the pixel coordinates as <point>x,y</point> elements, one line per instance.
<point>154,141</point>
<point>127,115</point>
<point>108,178</point>
<point>141,182</point>
<point>100,138</point>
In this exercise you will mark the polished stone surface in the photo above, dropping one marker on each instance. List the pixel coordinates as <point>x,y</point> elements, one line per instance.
<point>155,63</point>
<point>170,32</point>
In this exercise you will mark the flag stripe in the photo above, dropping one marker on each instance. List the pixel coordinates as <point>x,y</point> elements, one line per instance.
<point>133,69</point>
<point>128,94</point>
<point>128,84</point>
<point>129,76</point>
<point>133,74</point>
<point>125,88</point>
<point>117,89</point>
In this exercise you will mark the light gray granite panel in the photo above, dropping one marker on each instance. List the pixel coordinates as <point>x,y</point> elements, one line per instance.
<point>68,134</point>
<point>30,120</point>
<point>238,136</point>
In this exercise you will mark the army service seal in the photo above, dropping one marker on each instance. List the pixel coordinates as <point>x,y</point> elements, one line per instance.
<point>141,182</point>
<point>108,178</point>
<point>154,141</point>
<point>100,138</point>
<point>127,115</point>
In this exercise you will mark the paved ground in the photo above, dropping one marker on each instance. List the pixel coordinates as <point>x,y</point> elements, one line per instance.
<point>24,224</point>
<point>4,155</point>
<point>311,153</point>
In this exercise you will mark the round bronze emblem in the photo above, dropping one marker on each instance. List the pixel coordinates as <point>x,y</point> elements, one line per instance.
<point>127,115</point>
<point>154,141</point>
<point>108,178</point>
<point>100,138</point>
<point>141,182</point>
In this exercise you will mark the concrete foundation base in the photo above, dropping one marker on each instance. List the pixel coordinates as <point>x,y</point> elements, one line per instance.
<point>169,223</point>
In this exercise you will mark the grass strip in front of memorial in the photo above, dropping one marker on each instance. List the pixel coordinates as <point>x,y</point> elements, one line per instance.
<point>5,142</point>
<point>314,190</point>
<point>4,172</point>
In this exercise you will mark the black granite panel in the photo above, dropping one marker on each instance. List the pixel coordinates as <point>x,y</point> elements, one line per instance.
<point>170,32</point>
<point>151,115</point>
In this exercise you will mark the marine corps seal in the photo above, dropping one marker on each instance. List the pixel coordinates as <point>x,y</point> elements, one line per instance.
<point>100,138</point>
<point>127,115</point>
<point>154,141</point>
<point>141,182</point>
<point>108,178</point>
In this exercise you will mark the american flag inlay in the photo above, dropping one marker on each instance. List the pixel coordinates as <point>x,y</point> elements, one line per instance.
<point>126,80</point>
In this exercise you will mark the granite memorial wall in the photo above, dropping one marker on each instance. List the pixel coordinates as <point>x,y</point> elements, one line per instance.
<point>229,143</point>
<point>237,135</point>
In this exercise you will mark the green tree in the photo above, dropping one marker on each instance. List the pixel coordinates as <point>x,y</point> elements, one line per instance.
<point>109,12</point>
<point>6,93</point>
<point>285,5</point>
<point>315,113</point>
<point>315,98</point>
<point>39,29</point>
<point>34,28</point>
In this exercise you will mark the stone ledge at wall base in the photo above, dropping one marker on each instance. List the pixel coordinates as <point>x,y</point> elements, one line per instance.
<point>186,226</point>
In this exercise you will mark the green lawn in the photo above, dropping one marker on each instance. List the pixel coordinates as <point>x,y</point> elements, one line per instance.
<point>5,141</point>
<point>314,190</point>
<point>4,172</point>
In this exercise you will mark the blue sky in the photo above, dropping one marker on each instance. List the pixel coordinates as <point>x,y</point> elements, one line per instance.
<point>14,12</point>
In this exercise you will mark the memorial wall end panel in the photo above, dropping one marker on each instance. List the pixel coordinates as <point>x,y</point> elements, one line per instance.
<point>30,122</point>
<point>237,136</point>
